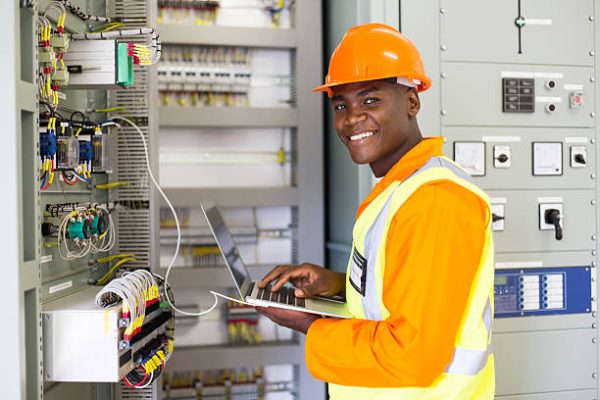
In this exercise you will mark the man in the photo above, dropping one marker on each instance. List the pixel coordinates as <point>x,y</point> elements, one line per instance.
<point>420,277</point>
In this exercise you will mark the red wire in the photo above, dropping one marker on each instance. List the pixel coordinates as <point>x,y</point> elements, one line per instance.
<point>66,180</point>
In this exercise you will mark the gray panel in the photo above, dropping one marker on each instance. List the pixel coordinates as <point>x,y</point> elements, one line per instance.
<point>63,391</point>
<point>427,39</point>
<point>234,197</point>
<point>227,36</point>
<point>545,361</point>
<point>570,395</point>
<point>522,232</point>
<point>193,358</point>
<point>519,175</point>
<point>472,95</point>
<point>475,30</point>
<point>230,117</point>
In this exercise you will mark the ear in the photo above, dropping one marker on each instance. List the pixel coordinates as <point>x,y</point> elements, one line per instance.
<point>413,102</point>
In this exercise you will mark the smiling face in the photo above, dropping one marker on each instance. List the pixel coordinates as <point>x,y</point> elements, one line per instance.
<point>376,120</point>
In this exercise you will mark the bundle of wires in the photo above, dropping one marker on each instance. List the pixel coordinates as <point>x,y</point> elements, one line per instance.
<point>143,54</point>
<point>103,242</point>
<point>62,14</point>
<point>82,247</point>
<point>122,259</point>
<point>107,239</point>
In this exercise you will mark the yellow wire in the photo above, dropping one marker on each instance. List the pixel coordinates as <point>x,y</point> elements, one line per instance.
<point>107,276</point>
<point>110,109</point>
<point>115,256</point>
<point>111,185</point>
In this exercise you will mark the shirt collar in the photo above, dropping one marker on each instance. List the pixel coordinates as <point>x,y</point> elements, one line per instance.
<point>409,163</point>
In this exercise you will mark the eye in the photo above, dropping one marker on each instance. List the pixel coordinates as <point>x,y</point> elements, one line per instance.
<point>339,106</point>
<point>370,100</point>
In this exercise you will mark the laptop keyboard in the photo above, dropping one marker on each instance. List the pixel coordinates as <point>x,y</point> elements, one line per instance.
<point>284,295</point>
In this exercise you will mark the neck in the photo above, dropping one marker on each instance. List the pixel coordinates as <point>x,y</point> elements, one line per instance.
<point>381,167</point>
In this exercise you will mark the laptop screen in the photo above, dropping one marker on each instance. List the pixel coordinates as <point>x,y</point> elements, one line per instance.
<point>225,242</point>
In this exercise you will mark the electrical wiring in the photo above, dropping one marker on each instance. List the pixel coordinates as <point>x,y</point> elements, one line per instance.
<point>112,270</point>
<point>80,14</point>
<point>111,185</point>
<point>114,257</point>
<point>177,226</point>
<point>143,54</point>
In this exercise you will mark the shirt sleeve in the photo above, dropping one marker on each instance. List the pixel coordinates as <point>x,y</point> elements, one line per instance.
<point>433,250</point>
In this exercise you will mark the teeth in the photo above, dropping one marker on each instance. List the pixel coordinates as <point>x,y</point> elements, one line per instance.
<point>362,135</point>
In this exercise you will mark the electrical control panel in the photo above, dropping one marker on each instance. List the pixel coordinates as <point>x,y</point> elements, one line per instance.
<point>521,86</point>
<point>539,292</point>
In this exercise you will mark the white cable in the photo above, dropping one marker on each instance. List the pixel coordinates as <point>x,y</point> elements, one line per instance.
<point>177,226</point>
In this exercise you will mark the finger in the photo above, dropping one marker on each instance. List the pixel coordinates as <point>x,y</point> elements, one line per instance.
<point>293,273</point>
<point>271,276</point>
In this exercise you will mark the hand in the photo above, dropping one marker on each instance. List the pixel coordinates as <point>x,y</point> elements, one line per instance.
<point>296,320</point>
<point>309,279</point>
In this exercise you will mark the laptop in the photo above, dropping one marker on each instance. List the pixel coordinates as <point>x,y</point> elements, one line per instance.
<point>248,289</point>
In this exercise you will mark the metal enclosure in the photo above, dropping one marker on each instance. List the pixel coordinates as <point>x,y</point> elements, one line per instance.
<point>480,54</point>
<point>34,274</point>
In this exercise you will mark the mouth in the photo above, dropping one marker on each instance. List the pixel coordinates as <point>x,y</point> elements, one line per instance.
<point>360,136</point>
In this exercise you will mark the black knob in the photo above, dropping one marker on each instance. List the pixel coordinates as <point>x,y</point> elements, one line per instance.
<point>496,218</point>
<point>552,217</point>
<point>502,158</point>
<point>579,159</point>
<point>87,228</point>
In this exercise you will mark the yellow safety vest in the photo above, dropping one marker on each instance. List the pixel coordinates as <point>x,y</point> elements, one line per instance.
<point>470,374</point>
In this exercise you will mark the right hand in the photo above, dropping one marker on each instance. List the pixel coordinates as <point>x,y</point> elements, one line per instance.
<point>309,280</point>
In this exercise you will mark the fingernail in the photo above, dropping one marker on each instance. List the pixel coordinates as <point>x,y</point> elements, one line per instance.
<point>299,292</point>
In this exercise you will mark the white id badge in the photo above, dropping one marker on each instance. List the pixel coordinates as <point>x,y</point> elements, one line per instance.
<point>358,272</point>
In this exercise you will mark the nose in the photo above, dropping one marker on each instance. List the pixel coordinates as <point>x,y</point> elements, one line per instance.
<point>355,116</point>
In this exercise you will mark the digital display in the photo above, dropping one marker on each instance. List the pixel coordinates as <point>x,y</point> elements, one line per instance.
<point>501,280</point>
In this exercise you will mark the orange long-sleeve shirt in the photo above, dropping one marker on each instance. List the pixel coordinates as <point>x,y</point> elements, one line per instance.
<point>434,246</point>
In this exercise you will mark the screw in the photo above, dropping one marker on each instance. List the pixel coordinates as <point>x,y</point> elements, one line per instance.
<point>593,114</point>
<point>443,75</point>
<point>593,202</point>
<point>444,112</point>
<point>593,237</point>
<point>594,375</point>
<point>443,47</point>
<point>594,314</point>
<point>443,11</point>
<point>593,264</point>
<point>593,253</point>
<point>592,53</point>
<point>592,140</point>
<point>594,325</point>
<point>593,176</point>
<point>592,79</point>
<point>594,340</point>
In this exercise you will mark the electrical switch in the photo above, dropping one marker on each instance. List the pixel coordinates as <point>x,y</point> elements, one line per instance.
<point>578,156</point>
<point>502,158</point>
<point>497,217</point>
<point>576,100</point>
<point>470,156</point>
<point>547,158</point>
<point>551,218</point>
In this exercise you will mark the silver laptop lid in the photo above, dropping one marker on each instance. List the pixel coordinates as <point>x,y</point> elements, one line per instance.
<point>230,253</point>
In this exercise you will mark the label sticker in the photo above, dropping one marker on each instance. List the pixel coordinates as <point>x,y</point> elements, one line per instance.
<point>62,286</point>
<point>568,86</point>
<point>576,140</point>
<point>47,258</point>
<point>537,21</point>
<point>501,139</point>
<point>544,99</point>
<point>358,272</point>
<point>519,264</point>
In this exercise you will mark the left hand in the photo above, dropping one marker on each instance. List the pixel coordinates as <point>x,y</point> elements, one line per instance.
<point>296,320</point>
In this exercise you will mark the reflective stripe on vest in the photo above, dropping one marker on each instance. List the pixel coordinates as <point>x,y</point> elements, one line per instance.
<point>470,373</point>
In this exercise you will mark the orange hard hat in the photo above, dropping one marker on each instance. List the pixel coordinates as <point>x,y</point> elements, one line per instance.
<point>371,52</point>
